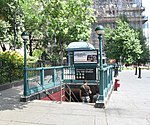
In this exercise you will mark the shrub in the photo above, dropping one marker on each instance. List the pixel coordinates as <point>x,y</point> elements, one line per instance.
<point>11,67</point>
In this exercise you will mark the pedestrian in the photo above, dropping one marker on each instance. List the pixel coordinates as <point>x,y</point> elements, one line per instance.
<point>96,96</point>
<point>85,91</point>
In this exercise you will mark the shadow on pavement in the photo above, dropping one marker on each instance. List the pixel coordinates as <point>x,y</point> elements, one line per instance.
<point>10,99</point>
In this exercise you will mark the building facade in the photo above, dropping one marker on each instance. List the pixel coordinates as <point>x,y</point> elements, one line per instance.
<point>108,11</point>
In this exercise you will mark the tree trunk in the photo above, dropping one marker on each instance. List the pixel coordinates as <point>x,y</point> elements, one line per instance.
<point>30,44</point>
<point>3,47</point>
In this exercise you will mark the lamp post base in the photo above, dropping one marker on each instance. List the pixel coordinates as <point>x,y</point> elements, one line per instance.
<point>37,96</point>
<point>99,104</point>
<point>25,99</point>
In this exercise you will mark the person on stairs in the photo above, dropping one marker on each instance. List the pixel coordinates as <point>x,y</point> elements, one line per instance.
<point>85,91</point>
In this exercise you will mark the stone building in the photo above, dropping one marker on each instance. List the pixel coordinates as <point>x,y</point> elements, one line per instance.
<point>107,11</point>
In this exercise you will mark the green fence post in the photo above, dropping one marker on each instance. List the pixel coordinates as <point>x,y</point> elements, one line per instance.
<point>62,73</point>
<point>54,76</point>
<point>42,76</point>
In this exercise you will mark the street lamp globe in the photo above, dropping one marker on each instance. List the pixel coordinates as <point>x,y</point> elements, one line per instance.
<point>25,35</point>
<point>99,30</point>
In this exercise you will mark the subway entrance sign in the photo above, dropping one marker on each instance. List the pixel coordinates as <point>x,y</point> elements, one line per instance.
<point>85,62</point>
<point>85,73</point>
<point>86,57</point>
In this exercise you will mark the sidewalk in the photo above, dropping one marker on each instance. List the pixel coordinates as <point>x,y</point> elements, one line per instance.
<point>130,105</point>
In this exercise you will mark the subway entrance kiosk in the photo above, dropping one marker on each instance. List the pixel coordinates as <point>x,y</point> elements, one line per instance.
<point>83,61</point>
<point>84,58</point>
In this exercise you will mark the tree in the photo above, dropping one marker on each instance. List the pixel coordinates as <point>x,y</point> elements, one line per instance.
<point>33,19</point>
<point>11,13</point>
<point>65,22</point>
<point>122,42</point>
<point>4,36</point>
<point>144,57</point>
<point>53,23</point>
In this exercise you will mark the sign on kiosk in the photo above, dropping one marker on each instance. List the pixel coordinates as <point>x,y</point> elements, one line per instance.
<point>89,56</point>
<point>85,73</point>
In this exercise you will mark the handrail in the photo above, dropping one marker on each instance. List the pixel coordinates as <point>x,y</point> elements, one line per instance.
<point>106,68</point>
<point>72,92</point>
<point>43,68</point>
<point>60,91</point>
<point>47,93</point>
<point>70,98</point>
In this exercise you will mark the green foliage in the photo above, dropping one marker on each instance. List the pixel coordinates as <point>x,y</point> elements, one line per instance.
<point>31,59</point>
<point>65,22</point>
<point>32,14</point>
<point>38,53</point>
<point>122,42</point>
<point>12,66</point>
<point>144,57</point>
<point>125,42</point>
<point>11,14</point>
<point>4,36</point>
<point>55,23</point>
<point>124,18</point>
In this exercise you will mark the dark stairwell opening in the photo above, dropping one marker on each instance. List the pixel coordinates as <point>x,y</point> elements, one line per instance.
<point>72,93</point>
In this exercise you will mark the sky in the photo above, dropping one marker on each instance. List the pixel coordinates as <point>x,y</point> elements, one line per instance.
<point>146,4</point>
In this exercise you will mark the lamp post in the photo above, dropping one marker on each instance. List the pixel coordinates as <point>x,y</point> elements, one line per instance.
<point>25,37</point>
<point>100,102</point>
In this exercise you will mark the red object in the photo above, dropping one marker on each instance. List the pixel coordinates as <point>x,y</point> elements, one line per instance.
<point>117,84</point>
<point>55,96</point>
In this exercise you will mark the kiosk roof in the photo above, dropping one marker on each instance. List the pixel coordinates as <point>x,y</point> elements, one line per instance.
<point>80,45</point>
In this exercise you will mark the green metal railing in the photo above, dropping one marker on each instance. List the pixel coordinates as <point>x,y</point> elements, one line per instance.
<point>44,77</point>
<point>49,77</point>
<point>108,79</point>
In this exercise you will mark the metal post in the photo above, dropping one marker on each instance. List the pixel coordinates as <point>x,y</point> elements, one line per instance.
<point>25,70</point>
<point>60,91</point>
<point>69,58</point>
<point>42,76</point>
<point>54,76</point>
<point>139,73</point>
<point>100,102</point>
<point>136,70</point>
<point>101,85</point>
